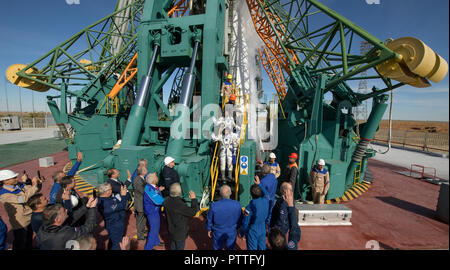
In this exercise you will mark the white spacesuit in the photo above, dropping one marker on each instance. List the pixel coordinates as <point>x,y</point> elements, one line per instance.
<point>229,143</point>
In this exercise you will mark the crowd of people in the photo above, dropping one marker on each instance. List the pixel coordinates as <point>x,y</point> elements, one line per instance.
<point>66,219</point>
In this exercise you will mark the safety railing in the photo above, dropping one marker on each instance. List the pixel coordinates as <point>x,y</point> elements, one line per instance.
<point>214,170</point>
<point>425,141</point>
<point>421,172</point>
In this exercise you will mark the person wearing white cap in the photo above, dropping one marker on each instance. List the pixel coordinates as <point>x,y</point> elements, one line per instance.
<point>274,166</point>
<point>169,175</point>
<point>14,196</point>
<point>319,179</point>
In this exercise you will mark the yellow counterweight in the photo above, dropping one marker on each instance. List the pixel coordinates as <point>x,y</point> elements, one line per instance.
<point>417,63</point>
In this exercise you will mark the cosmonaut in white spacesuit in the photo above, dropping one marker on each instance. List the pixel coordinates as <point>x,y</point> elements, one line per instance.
<point>229,142</point>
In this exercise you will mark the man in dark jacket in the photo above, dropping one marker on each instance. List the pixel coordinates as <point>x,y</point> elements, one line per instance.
<point>169,175</point>
<point>138,190</point>
<point>54,233</point>
<point>113,212</point>
<point>116,185</point>
<point>37,203</point>
<point>284,216</point>
<point>290,173</point>
<point>74,202</point>
<point>178,214</point>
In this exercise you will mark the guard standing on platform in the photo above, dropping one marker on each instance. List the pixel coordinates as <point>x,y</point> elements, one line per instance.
<point>274,167</point>
<point>153,201</point>
<point>227,88</point>
<point>223,220</point>
<point>255,219</point>
<point>290,173</point>
<point>113,212</point>
<point>14,196</point>
<point>169,175</point>
<point>319,179</point>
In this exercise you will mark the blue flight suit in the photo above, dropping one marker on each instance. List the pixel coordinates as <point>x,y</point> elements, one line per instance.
<point>56,186</point>
<point>285,219</point>
<point>3,231</point>
<point>223,220</point>
<point>113,212</point>
<point>152,208</point>
<point>270,183</point>
<point>254,224</point>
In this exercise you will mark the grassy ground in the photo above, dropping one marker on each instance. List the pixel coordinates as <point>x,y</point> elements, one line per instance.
<point>11,154</point>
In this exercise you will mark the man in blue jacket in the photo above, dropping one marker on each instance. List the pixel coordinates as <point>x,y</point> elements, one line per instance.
<point>284,216</point>
<point>113,212</point>
<point>223,220</point>
<point>256,217</point>
<point>60,174</point>
<point>153,201</point>
<point>269,182</point>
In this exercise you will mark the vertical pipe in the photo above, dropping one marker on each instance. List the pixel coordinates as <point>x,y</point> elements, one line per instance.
<point>138,111</point>
<point>187,88</point>
<point>6,96</point>
<point>32,100</point>
<point>176,143</point>
<point>20,99</point>
<point>367,135</point>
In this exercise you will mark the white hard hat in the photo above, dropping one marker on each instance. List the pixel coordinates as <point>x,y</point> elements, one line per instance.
<point>74,200</point>
<point>321,162</point>
<point>168,160</point>
<point>272,155</point>
<point>7,174</point>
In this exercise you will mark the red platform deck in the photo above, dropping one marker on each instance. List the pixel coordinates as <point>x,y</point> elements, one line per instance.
<point>397,211</point>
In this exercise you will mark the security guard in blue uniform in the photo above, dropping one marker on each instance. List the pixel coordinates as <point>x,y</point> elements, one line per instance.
<point>113,211</point>
<point>256,217</point>
<point>224,218</point>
